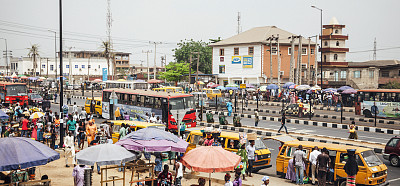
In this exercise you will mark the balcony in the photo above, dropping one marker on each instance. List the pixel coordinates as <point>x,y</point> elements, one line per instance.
<point>340,50</point>
<point>337,37</point>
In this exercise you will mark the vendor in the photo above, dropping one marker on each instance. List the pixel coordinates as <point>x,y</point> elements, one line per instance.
<point>209,140</point>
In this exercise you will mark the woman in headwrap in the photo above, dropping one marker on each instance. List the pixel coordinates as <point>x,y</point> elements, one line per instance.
<point>351,168</point>
<point>243,163</point>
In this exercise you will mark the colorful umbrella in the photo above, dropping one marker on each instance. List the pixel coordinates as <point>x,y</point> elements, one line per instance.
<point>3,115</point>
<point>248,85</point>
<point>152,133</point>
<point>153,81</point>
<point>272,86</point>
<point>210,159</point>
<point>154,145</point>
<point>287,85</point>
<point>231,88</point>
<point>104,154</point>
<point>21,75</point>
<point>343,88</point>
<point>221,88</point>
<point>263,88</point>
<point>21,153</point>
<point>303,87</point>
<point>349,91</point>
<point>121,80</point>
<point>36,115</point>
<point>214,86</point>
<point>210,84</point>
<point>200,83</point>
<point>232,85</point>
<point>97,80</point>
<point>292,86</point>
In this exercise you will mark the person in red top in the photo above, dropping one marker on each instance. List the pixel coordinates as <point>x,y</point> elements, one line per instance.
<point>25,127</point>
<point>165,177</point>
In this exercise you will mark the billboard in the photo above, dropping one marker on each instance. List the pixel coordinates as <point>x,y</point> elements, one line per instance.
<point>236,59</point>
<point>105,73</point>
<point>385,109</point>
<point>247,61</point>
<point>134,112</point>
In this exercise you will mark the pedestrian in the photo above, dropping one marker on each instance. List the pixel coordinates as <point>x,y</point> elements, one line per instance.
<point>313,160</point>
<point>24,132</point>
<point>69,148</point>
<point>91,131</point>
<point>290,173</point>
<point>82,115</point>
<point>158,161</point>
<point>229,107</point>
<point>246,101</point>
<point>265,181</point>
<point>153,118</point>
<point>69,96</point>
<point>79,174</point>
<point>71,124</point>
<point>283,122</point>
<point>250,149</point>
<point>352,131</point>
<point>237,181</point>
<point>256,118</point>
<point>165,177</point>
<point>81,135</point>
<point>75,108</point>
<point>179,171</point>
<point>323,162</point>
<point>243,162</point>
<point>122,131</point>
<point>351,167</point>
<point>299,162</point>
<point>227,179</point>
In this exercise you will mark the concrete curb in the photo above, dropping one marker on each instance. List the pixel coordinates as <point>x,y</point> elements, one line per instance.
<point>345,109</point>
<point>317,123</point>
<point>258,131</point>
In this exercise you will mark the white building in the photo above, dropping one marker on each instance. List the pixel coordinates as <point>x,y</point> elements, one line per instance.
<point>76,67</point>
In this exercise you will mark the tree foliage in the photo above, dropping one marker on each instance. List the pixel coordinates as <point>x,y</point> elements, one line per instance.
<point>182,55</point>
<point>175,71</point>
<point>107,52</point>
<point>391,85</point>
<point>34,53</point>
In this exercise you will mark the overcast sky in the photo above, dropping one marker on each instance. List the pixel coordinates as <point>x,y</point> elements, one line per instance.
<point>136,22</point>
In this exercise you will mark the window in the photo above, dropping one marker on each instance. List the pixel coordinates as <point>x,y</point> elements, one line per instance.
<point>99,66</point>
<point>385,73</point>
<point>67,66</point>
<point>222,69</point>
<point>290,51</point>
<point>303,51</point>
<point>76,66</point>
<point>324,58</point>
<point>336,31</point>
<point>312,51</point>
<point>326,43</point>
<point>251,50</point>
<point>371,73</point>
<point>357,74</point>
<point>337,43</point>
<point>393,142</point>
<point>303,66</point>
<point>399,72</point>
<point>343,74</point>
<point>43,66</point>
<point>335,56</point>
<point>274,51</point>
<point>83,66</point>
<point>221,52</point>
<point>51,67</point>
<point>89,66</point>
<point>236,51</point>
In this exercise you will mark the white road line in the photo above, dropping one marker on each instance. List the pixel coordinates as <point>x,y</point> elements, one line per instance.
<point>394,180</point>
<point>374,138</point>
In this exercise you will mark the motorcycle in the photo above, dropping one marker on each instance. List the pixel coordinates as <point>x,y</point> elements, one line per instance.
<point>222,119</point>
<point>236,121</point>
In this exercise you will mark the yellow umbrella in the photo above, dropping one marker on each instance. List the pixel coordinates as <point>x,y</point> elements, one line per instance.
<point>121,80</point>
<point>200,83</point>
<point>37,115</point>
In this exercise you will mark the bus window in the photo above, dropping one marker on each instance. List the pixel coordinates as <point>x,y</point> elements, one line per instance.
<point>142,101</point>
<point>176,103</point>
<point>150,103</point>
<point>134,99</point>
<point>194,139</point>
<point>106,96</point>
<point>169,90</point>
<point>98,103</point>
<point>189,102</point>
<point>282,150</point>
<point>157,103</point>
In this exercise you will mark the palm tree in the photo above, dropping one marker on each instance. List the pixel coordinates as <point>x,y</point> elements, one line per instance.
<point>106,47</point>
<point>34,53</point>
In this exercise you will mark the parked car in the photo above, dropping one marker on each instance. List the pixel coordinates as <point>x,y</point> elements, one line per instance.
<point>34,99</point>
<point>221,102</point>
<point>392,151</point>
<point>293,110</point>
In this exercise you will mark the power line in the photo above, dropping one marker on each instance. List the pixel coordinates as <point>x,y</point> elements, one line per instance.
<point>389,48</point>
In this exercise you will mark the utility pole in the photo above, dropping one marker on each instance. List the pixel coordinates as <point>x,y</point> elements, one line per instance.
<point>61,80</point>
<point>88,69</point>
<point>6,55</point>
<point>270,58</point>
<point>148,66</point>
<point>279,62</point>
<point>55,50</point>
<point>299,53</point>
<point>374,58</point>
<point>316,60</point>
<point>40,66</point>
<point>190,68</point>
<point>291,72</point>
<point>197,69</point>
<point>155,57</point>
<point>47,65</point>
<point>238,22</point>
<point>308,62</point>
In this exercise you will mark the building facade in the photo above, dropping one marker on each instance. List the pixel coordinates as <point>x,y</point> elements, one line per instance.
<point>249,57</point>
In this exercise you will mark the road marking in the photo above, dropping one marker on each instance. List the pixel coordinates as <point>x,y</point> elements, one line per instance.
<point>394,180</point>
<point>375,138</point>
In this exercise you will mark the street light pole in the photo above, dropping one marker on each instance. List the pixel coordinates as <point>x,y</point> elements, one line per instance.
<point>55,50</point>
<point>61,80</point>
<point>321,41</point>
<point>6,55</point>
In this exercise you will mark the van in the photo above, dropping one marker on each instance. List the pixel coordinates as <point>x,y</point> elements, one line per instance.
<point>392,151</point>
<point>371,169</point>
<point>211,93</point>
<point>263,154</point>
<point>134,125</point>
<point>98,110</point>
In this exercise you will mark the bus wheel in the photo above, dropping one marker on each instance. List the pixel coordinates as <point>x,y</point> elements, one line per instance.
<point>394,161</point>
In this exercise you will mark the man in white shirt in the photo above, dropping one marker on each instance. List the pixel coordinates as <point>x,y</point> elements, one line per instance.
<point>74,108</point>
<point>313,159</point>
<point>153,118</point>
<point>69,148</point>
<point>251,149</point>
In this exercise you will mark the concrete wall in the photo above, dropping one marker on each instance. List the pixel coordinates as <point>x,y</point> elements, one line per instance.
<point>365,81</point>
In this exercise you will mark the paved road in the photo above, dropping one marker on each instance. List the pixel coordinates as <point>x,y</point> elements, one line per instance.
<point>393,172</point>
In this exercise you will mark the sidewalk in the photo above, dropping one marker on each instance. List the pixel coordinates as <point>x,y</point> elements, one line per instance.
<point>318,107</point>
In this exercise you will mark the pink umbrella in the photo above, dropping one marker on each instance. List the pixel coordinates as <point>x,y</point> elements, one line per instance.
<point>349,91</point>
<point>214,86</point>
<point>97,80</point>
<point>154,145</point>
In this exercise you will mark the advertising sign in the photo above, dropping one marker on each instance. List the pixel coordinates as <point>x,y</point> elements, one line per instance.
<point>242,86</point>
<point>247,61</point>
<point>236,59</point>
<point>134,112</point>
<point>105,73</point>
<point>384,109</point>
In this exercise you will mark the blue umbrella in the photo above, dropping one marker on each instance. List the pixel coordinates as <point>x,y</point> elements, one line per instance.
<point>231,88</point>
<point>64,78</point>
<point>32,78</point>
<point>288,84</point>
<point>221,87</point>
<point>3,115</point>
<point>152,133</point>
<point>343,88</point>
<point>21,153</point>
<point>272,86</point>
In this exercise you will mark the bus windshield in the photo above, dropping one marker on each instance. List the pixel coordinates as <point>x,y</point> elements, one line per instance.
<point>181,103</point>
<point>370,158</point>
<point>16,90</point>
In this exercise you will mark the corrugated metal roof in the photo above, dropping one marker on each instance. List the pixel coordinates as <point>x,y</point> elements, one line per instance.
<point>377,63</point>
<point>260,35</point>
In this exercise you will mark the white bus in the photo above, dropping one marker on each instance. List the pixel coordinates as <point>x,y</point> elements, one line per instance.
<point>126,84</point>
